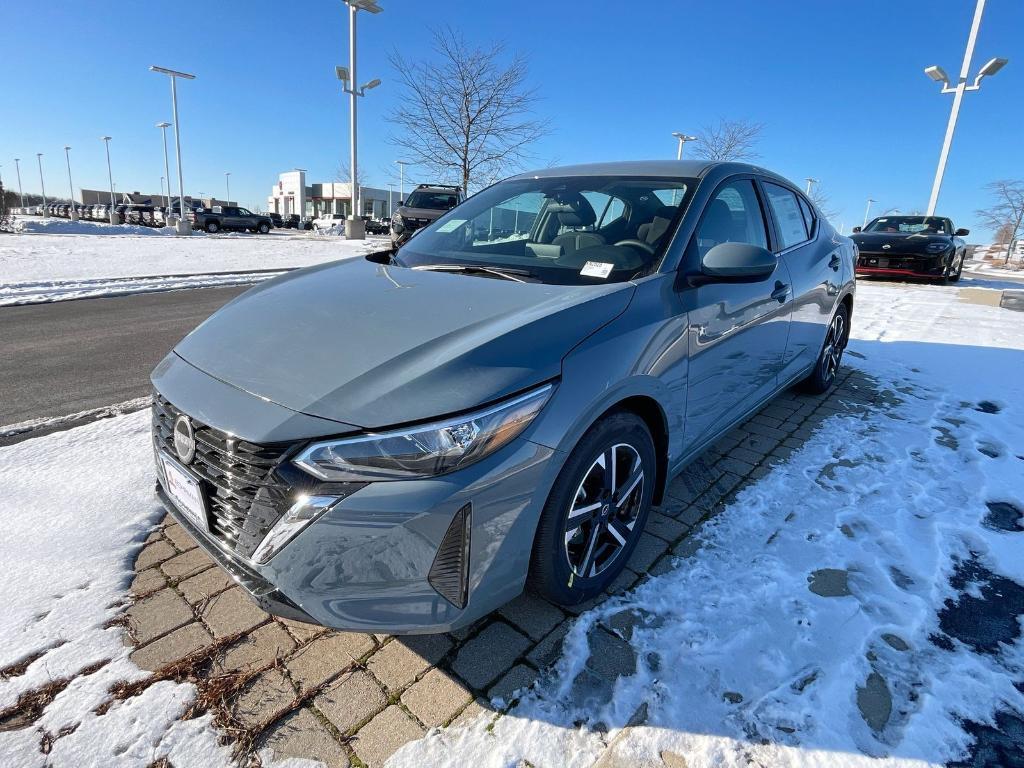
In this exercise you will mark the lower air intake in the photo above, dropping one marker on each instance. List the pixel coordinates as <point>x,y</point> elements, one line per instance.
<point>449,573</point>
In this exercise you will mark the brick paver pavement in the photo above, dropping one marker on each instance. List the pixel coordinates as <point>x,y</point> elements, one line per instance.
<point>346,698</point>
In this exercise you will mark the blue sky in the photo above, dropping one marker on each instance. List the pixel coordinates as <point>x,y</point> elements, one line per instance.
<point>839,86</point>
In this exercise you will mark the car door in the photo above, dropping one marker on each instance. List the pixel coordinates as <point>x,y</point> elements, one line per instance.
<point>738,331</point>
<point>814,265</point>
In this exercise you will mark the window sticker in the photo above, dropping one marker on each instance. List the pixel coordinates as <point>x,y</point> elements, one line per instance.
<point>599,269</point>
<point>451,226</point>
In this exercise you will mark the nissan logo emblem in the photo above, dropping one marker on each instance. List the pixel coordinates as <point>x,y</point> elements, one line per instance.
<point>184,439</point>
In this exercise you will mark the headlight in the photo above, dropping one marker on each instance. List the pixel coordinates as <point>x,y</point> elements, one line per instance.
<point>937,247</point>
<point>424,451</point>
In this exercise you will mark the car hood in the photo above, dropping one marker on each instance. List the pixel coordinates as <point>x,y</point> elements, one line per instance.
<point>373,345</point>
<point>421,213</point>
<point>874,242</point>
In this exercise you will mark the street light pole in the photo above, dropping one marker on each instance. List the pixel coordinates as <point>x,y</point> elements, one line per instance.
<point>683,138</point>
<point>17,169</point>
<point>74,208</point>
<point>184,227</point>
<point>114,218</point>
<point>810,181</point>
<point>163,126</point>
<point>227,184</point>
<point>937,74</point>
<point>355,229</point>
<point>391,189</point>
<point>870,201</point>
<point>401,173</point>
<point>42,185</point>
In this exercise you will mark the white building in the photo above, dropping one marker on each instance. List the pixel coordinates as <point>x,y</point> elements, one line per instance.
<point>291,194</point>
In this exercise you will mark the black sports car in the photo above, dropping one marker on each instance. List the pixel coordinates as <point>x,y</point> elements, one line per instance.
<point>911,246</point>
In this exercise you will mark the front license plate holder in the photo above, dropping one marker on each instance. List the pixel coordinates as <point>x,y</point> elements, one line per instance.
<point>185,491</point>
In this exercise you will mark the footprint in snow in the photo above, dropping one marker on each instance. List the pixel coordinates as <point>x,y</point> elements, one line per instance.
<point>987,406</point>
<point>1004,516</point>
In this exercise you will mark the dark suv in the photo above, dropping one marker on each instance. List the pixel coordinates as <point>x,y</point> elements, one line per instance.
<point>426,203</point>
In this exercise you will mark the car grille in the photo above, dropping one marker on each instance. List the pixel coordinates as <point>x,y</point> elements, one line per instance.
<point>245,498</point>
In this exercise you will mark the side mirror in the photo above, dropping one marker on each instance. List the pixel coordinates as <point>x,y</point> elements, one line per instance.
<point>962,232</point>
<point>855,230</point>
<point>401,203</point>
<point>738,262</point>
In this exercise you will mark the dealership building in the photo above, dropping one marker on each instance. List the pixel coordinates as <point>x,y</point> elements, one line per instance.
<point>292,194</point>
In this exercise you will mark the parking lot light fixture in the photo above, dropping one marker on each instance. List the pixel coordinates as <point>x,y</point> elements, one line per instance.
<point>938,74</point>
<point>870,201</point>
<point>74,209</point>
<point>227,186</point>
<point>42,185</point>
<point>183,226</point>
<point>355,229</point>
<point>683,138</point>
<point>114,218</point>
<point>810,182</point>
<point>401,183</point>
<point>163,126</point>
<point>17,169</point>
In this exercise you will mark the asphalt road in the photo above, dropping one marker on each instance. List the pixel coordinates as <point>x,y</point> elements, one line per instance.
<point>70,356</point>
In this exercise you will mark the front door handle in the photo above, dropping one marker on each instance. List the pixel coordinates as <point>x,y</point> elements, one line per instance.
<point>835,262</point>
<point>781,292</point>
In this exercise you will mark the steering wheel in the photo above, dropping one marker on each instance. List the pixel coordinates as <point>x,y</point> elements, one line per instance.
<point>647,248</point>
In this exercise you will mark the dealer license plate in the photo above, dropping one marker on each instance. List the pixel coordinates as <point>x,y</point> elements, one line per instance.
<point>185,492</point>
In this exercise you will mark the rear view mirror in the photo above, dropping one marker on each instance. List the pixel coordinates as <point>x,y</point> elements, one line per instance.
<point>962,232</point>
<point>856,230</point>
<point>738,262</point>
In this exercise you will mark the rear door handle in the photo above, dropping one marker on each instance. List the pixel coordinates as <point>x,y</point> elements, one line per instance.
<point>781,292</point>
<point>835,262</point>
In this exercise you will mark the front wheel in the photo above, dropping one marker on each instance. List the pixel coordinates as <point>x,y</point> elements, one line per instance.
<point>959,270</point>
<point>596,511</point>
<point>264,228</point>
<point>212,227</point>
<point>831,355</point>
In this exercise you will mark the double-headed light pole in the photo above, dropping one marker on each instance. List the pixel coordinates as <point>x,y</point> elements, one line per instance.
<point>355,229</point>
<point>17,169</point>
<point>163,126</point>
<point>42,185</point>
<point>683,138</point>
<point>183,226</point>
<point>939,75</point>
<point>114,218</point>
<point>71,186</point>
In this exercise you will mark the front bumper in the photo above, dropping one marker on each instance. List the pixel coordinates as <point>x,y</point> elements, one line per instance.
<point>365,564</point>
<point>923,266</point>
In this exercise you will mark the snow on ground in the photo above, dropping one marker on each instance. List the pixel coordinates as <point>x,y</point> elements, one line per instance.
<point>740,663</point>
<point>48,265</point>
<point>76,507</point>
<point>53,226</point>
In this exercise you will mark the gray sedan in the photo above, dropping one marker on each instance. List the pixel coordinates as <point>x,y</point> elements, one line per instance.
<point>403,443</point>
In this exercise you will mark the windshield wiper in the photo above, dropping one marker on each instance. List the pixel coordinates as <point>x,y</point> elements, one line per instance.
<point>505,273</point>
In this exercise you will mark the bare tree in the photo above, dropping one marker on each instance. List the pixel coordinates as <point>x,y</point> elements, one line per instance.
<point>466,114</point>
<point>1006,213</point>
<point>729,140</point>
<point>343,173</point>
<point>821,198</point>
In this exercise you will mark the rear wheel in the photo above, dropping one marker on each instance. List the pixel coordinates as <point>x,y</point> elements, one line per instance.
<point>264,228</point>
<point>596,511</point>
<point>212,227</point>
<point>831,355</point>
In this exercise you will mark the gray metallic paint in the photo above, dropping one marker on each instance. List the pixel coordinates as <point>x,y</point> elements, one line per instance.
<point>432,344</point>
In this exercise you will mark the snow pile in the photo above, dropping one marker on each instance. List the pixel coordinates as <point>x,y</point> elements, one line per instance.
<point>77,506</point>
<point>68,227</point>
<point>831,617</point>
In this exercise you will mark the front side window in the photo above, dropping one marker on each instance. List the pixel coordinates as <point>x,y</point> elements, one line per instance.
<point>786,210</point>
<point>910,225</point>
<point>565,230</point>
<point>733,216</point>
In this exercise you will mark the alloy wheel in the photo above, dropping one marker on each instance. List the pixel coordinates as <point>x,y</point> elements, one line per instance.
<point>604,510</point>
<point>834,345</point>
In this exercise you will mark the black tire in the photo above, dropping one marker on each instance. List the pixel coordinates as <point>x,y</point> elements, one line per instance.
<point>552,573</point>
<point>263,228</point>
<point>831,356</point>
<point>212,227</point>
<point>955,277</point>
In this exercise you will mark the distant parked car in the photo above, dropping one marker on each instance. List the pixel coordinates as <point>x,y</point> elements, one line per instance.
<point>911,246</point>
<point>229,217</point>
<point>426,203</point>
<point>328,220</point>
<point>377,226</point>
<point>276,220</point>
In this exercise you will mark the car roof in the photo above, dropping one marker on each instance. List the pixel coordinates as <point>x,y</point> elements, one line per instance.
<point>670,168</point>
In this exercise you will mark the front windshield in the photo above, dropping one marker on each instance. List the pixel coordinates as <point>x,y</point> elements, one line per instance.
<point>438,201</point>
<point>910,225</point>
<point>566,230</point>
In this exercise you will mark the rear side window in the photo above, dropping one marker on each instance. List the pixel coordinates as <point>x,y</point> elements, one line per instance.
<point>808,213</point>
<point>790,219</point>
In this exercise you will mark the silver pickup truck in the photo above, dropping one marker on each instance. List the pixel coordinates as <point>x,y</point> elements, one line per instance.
<point>229,217</point>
